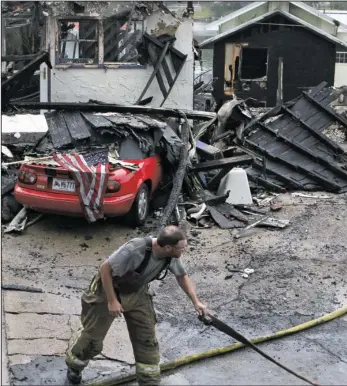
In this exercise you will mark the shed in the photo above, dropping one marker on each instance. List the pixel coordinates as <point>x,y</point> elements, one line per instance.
<point>272,57</point>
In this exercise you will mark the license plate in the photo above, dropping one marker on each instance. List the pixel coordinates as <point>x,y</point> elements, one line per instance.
<point>63,185</point>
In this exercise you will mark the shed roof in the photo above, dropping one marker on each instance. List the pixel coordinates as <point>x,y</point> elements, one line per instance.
<point>328,16</point>
<point>210,42</point>
<point>215,24</point>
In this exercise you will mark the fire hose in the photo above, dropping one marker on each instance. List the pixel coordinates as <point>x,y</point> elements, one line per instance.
<point>211,320</point>
<point>182,361</point>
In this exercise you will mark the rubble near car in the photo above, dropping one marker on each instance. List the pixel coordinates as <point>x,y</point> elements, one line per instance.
<point>290,147</point>
<point>230,139</point>
<point>127,138</point>
<point>130,143</point>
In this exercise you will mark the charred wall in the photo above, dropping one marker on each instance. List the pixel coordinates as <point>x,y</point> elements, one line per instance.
<point>308,60</point>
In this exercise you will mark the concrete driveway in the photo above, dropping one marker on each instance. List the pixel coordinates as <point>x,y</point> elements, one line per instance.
<point>300,274</point>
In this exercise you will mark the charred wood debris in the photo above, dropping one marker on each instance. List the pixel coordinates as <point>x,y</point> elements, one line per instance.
<point>287,148</point>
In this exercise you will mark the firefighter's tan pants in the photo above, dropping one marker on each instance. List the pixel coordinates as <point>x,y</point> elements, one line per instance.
<point>141,320</point>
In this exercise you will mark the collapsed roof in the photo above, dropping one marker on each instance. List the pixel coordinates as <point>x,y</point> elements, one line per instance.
<point>290,145</point>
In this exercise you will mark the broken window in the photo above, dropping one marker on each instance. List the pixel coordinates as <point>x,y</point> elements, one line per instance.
<point>121,40</point>
<point>78,41</point>
<point>341,57</point>
<point>253,63</point>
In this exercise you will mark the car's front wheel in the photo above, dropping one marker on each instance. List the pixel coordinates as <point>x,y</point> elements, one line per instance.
<point>139,211</point>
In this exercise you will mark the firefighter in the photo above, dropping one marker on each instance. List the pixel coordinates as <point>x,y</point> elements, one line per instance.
<point>121,288</point>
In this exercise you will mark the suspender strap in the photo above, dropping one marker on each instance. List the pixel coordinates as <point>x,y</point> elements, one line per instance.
<point>161,275</point>
<point>148,254</point>
<point>141,268</point>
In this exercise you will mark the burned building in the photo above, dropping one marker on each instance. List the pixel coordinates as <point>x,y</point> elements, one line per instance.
<point>102,53</point>
<point>273,56</point>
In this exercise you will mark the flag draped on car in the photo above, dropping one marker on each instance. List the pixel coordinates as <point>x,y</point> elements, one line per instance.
<point>90,172</point>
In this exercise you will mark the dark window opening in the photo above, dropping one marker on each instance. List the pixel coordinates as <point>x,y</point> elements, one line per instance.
<point>122,39</point>
<point>78,41</point>
<point>253,63</point>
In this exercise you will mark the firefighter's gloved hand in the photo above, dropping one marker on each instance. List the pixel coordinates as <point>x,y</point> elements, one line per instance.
<point>200,308</point>
<point>115,308</point>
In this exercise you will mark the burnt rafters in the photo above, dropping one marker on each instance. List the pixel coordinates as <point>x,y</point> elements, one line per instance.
<point>157,49</point>
<point>317,89</point>
<point>153,56</point>
<point>289,181</point>
<point>18,58</point>
<point>315,176</point>
<point>264,182</point>
<point>167,72</point>
<point>223,163</point>
<point>271,113</point>
<point>301,149</point>
<point>328,110</point>
<point>285,174</point>
<point>10,86</point>
<point>178,71</point>
<point>155,71</point>
<point>314,132</point>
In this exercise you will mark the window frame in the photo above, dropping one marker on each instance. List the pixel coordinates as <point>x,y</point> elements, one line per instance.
<point>99,62</point>
<point>339,55</point>
<point>60,60</point>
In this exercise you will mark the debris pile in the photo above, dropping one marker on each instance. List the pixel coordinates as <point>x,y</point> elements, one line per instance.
<point>293,152</point>
<point>288,142</point>
<point>218,170</point>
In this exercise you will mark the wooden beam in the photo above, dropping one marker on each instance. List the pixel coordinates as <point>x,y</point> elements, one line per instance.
<point>207,151</point>
<point>110,108</point>
<point>153,56</point>
<point>155,71</point>
<point>223,163</point>
<point>327,109</point>
<point>178,71</point>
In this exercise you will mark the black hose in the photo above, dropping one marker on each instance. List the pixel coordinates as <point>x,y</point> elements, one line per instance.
<point>221,326</point>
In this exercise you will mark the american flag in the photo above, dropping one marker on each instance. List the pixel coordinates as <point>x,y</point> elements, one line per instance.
<point>91,181</point>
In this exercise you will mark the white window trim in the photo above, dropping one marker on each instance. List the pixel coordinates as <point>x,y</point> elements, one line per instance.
<point>100,41</point>
<point>341,53</point>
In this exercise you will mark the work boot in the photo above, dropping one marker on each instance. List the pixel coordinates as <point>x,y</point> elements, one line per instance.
<point>74,376</point>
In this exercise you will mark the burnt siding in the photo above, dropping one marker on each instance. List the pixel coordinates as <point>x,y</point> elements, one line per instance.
<point>308,60</point>
<point>218,70</point>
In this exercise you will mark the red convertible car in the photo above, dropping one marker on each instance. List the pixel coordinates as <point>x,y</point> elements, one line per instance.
<point>51,189</point>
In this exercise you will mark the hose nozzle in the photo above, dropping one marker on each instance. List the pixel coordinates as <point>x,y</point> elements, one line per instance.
<point>205,319</point>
